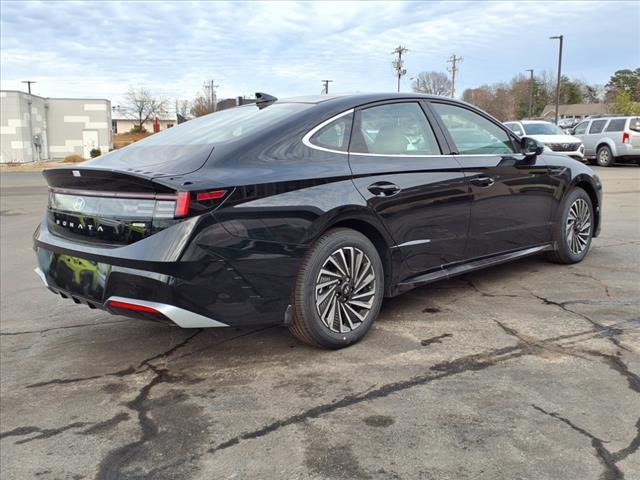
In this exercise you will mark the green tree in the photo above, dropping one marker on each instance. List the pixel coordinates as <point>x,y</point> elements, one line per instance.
<point>624,81</point>
<point>570,91</point>
<point>625,106</point>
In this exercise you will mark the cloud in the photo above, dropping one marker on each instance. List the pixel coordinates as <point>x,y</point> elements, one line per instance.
<point>98,49</point>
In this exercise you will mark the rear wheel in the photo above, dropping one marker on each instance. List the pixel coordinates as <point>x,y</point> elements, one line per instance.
<point>604,157</point>
<point>573,231</point>
<point>339,289</point>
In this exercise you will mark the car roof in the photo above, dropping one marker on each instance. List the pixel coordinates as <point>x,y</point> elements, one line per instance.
<point>524,122</point>
<point>358,98</point>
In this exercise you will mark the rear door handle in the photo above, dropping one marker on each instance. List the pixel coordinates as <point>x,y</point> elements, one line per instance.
<point>384,189</point>
<point>483,181</point>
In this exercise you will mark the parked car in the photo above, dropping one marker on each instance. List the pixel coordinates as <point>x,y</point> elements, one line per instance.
<point>567,124</point>
<point>306,212</point>
<point>610,139</point>
<point>551,135</point>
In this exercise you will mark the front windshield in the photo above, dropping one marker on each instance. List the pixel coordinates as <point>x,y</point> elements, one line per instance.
<point>224,126</point>
<point>542,129</point>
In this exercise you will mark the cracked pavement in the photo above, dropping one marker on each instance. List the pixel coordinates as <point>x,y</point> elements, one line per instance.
<point>529,370</point>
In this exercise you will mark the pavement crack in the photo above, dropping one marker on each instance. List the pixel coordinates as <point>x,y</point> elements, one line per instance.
<point>486,294</point>
<point>538,345</point>
<point>81,325</point>
<point>606,458</point>
<point>437,372</point>
<point>42,432</point>
<point>611,336</point>
<point>65,381</point>
<point>437,339</point>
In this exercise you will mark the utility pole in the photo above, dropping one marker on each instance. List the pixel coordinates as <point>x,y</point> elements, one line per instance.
<point>561,38</point>
<point>453,60</point>
<point>29,82</point>
<point>211,88</point>
<point>530,70</point>
<point>326,86</point>
<point>398,64</point>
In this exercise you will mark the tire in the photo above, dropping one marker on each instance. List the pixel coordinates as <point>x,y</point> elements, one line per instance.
<point>604,157</point>
<point>573,232</point>
<point>344,322</point>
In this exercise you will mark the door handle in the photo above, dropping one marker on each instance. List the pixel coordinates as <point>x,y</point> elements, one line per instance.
<point>384,189</point>
<point>483,181</point>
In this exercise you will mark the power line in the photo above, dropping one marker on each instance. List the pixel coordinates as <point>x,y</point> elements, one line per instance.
<point>326,86</point>
<point>398,64</point>
<point>453,60</point>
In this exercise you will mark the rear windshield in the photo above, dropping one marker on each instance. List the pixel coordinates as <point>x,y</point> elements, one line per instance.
<point>224,126</point>
<point>542,129</point>
<point>634,124</point>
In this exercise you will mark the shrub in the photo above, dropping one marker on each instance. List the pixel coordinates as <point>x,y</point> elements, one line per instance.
<point>73,158</point>
<point>95,152</point>
<point>138,129</point>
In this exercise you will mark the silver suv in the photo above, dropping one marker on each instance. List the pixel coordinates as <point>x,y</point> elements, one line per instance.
<point>609,139</point>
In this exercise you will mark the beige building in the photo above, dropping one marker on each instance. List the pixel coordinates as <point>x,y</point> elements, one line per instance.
<point>123,121</point>
<point>577,111</point>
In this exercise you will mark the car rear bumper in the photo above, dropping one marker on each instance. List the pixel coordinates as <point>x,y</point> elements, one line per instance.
<point>194,275</point>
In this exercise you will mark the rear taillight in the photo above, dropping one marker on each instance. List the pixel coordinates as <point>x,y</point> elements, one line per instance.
<point>131,306</point>
<point>182,204</point>
<point>625,137</point>
<point>214,195</point>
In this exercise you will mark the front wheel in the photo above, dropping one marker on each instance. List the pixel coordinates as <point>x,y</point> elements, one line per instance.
<point>604,157</point>
<point>339,290</point>
<point>573,231</point>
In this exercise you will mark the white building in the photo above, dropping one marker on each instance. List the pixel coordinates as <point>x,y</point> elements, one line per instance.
<point>123,121</point>
<point>34,128</point>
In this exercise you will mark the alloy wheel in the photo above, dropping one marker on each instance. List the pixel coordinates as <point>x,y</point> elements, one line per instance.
<point>345,289</point>
<point>603,156</point>
<point>578,226</point>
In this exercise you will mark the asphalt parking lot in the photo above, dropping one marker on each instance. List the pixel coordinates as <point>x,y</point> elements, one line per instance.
<point>525,371</point>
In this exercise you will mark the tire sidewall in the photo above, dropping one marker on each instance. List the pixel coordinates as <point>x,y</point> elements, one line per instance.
<point>336,239</point>
<point>561,238</point>
<point>609,161</point>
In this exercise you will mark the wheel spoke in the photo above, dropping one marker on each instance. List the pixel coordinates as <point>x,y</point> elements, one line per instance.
<point>320,286</point>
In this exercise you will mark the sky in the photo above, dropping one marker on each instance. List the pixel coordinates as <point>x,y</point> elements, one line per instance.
<point>98,49</point>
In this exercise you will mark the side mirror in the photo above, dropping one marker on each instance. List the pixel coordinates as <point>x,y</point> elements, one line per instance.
<point>531,147</point>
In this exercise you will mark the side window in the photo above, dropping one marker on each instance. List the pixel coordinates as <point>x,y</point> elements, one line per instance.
<point>335,135</point>
<point>597,126</point>
<point>616,125</point>
<point>581,128</point>
<point>472,133</point>
<point>514,127</point>
<point>394,129</point>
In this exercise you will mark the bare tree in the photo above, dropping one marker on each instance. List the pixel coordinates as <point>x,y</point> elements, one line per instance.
<point>205,101</point>
<point>183,107</point>
<point>143,105</point>
<point>433,83</point>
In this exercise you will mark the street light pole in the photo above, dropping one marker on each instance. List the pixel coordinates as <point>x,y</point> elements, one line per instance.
<point>558,37</point>
<point>530,93</point>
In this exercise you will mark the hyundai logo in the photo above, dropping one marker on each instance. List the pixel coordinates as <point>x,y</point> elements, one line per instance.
<point>78,204</point>
<point>565,145</point>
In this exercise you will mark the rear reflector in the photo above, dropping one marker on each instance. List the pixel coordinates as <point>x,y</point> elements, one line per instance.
<point>210,195</point>
<point>182,204</point>
<point>131,306</point>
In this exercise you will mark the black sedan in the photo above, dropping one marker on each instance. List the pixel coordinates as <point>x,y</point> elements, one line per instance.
<point>306,212</point>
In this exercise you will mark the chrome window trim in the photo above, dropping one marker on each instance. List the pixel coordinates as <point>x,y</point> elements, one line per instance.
<point>306,140</point>
<point>399,155</point>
